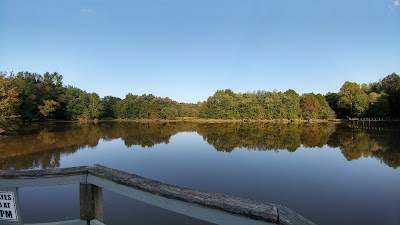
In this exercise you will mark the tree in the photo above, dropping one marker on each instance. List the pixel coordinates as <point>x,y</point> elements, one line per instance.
<point>82,105</point>
<point>325,111</point>
<point>26,84</point>
<point>391,86</point>
<point>310,106</point>
<point>74,103</point>
<point>169,113</point>
<point>94,106</point>
<point>222,105</point>
<point>48,107</point>
<point>188,109</point>
<point>38,93</point>
<point>109,106</point>
<point>292,103</point>
<point>352,99</point>
<point>378,105</point>
<point>247,107</point>
<point>332,99</point>
<point>274,106</point>
<point>8,103</point>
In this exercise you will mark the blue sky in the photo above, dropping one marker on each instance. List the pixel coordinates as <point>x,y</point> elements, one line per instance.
<point>188,49</point>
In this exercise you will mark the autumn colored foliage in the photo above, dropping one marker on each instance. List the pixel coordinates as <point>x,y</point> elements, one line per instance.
<point>29,96</point>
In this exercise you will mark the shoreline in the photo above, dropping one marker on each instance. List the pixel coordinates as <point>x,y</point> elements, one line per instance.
<point>193,120</point>
<point>201,120</point>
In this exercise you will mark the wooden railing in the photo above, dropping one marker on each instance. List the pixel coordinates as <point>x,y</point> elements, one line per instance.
<point>211,207</point>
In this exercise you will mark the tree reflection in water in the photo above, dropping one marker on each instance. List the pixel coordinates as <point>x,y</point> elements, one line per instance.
<point>41,145</point>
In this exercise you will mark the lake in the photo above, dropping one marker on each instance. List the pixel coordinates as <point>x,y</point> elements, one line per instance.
<point>329,173</point>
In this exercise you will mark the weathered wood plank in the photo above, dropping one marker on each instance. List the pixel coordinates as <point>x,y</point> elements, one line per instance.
<point>185,208</point>
<point>234,205</point>
<point>9,174</point>
<point>98,203</point>
<point>47,177</point>
<point>69,222</point>
<point>90,202</point>
<point>86,204</point>
<point>38,181</point>
<point>289,217</point>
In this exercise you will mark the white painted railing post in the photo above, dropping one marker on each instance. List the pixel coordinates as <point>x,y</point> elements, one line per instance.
<point>9,206</point>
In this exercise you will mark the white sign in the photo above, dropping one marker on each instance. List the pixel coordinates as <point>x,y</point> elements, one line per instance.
<point>8,210</point>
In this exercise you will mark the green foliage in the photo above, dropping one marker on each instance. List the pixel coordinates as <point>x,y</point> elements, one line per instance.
<point>326,111</point>
<point>188,109</point>
<point>377,99</point>
<point>152,107</point>
<point>74,102</point>
<point>274,106</point>
<point>94,106</point>
<point>39,94</point>
<point>378,105</point>
<point>82,105</point>
<point>222,105</point>
<point>169,113</point>
<point>352,99</point>
<point>292,102</point>
<point>45,96</point>
<point>332,99</point>
<point>109,106</point>
<point>391,86</point>
<point>225,104</point>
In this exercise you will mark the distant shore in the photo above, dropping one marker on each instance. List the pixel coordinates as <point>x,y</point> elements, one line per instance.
<point>202,120</point>
<point>196,120</point>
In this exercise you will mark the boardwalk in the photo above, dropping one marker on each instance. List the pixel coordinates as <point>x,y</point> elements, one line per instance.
<point>374,126</point>
<point>374,120</point>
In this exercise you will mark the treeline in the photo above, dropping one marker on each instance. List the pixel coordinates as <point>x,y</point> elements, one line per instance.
<point>377,99</point>
<point>26,97</point>
<point>261,105</point>
<point>32,96</point>
<point>147,107</point>
<point>29,96</point>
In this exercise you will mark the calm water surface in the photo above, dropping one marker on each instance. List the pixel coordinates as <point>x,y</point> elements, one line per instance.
<point>329,173</point>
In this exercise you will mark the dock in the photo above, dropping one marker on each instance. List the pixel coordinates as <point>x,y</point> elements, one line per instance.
<point>216,208</point>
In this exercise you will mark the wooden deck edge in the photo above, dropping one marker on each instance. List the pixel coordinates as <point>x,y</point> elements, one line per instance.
<point>253,209</point>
